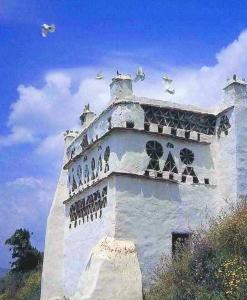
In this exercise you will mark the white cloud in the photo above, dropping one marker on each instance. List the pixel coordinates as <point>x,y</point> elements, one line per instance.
<point>40,114</point>
<point>26,182</point>
<point>203,86</point>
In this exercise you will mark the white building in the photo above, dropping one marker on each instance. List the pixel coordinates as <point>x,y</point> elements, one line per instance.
<point>134,178</point>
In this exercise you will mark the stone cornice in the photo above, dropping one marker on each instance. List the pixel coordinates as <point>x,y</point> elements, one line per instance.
<point>133,175</point>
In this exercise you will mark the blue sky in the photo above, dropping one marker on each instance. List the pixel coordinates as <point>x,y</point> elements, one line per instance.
<point>45,82</point>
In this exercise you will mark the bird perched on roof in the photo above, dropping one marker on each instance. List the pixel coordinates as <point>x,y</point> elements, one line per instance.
<point>168,82</point>
<point>45,29</point>
<point>99,76</point>
<point>140,75</point>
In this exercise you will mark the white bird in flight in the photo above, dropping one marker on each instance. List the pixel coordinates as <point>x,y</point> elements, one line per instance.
<point>168,82</point>
<point>99,76</point>
<point>140,75</point>
<point>45,29</point>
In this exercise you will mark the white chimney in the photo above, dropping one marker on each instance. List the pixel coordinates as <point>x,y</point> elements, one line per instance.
<point>87,116</point>
<point>121,86</point>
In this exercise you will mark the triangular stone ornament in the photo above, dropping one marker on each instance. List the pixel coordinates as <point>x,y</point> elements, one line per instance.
<point>170,164</point>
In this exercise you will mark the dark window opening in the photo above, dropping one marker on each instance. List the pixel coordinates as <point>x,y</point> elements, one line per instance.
<point>187,134</point>
<point>146,126</point>
<point>160,129</point>
<point>195,179</point>
<point>159,174</point>
<point>173,131</point>
<point>180,241</point>
<point>130,124</point>
<point>206,180</point>
<point>183,178</point>
<point>146,173</point>
<point>198,137</point>
<point>171,176</point>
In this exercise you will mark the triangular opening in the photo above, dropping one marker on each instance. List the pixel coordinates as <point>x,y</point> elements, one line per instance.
<point>170,165</point>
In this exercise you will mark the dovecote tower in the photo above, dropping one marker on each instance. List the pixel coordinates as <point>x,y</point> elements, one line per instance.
<point>135,179</point>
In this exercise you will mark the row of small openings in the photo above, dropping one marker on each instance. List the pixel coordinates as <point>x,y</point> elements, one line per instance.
<point>129,124</point>
<point>183,178</point>
<point>173,131</point>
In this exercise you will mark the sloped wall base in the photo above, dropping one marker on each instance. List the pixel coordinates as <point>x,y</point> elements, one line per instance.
<point>112,273</point>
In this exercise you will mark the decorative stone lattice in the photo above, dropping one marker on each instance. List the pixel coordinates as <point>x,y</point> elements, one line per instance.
<point>93,168</point>
<point>170,164</point>
<point>86,174</point>
<point>91,207</point>
<point>224,125</point>
<point>186,156</point>
<point>79,174</point>
<point>189,171</point>
<point>154,151</point>
<point>74,185</point>
<point>99,166</point>
<point>84,142</point>
<point>203,123</point>
<point>106,158</point>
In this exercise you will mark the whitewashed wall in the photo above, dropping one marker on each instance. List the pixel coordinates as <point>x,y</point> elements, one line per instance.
<point>80,240</point>
<point>148,211</point>
<point>241,145</point>
<point>224,157</point>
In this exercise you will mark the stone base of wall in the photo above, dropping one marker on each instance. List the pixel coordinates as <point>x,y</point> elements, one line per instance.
<point>112,272</point>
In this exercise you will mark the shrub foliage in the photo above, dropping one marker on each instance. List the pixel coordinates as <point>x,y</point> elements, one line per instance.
<point>214,268</point>
<point>25,256</point>
<point>23,281</point>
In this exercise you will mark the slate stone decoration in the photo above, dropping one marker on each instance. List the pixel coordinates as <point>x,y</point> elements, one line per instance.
<point>186,156</point>
<point>84,142</point>
<point>170,165</point>
<point>88,208</point>
<point>189,171</point>
<point>106,158</point>
<point>154,151</point>
<point>72,153</point>
<point>86,174</point>
<point>109,123</point>
<point>79,174</point>
<point>93,168</point>
<point>203,123</point>
<point>74,185</point>
<point>223,126</point>
<point>99,166</point>
<point>169,145</point>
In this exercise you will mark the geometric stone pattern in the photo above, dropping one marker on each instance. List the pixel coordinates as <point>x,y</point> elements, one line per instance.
<point>224,125</point>
<point>90,206</point>
<point>191,121</point>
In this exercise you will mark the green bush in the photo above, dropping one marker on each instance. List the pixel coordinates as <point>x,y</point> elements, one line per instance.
<point>21,286</point>
<point>215,268</point>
